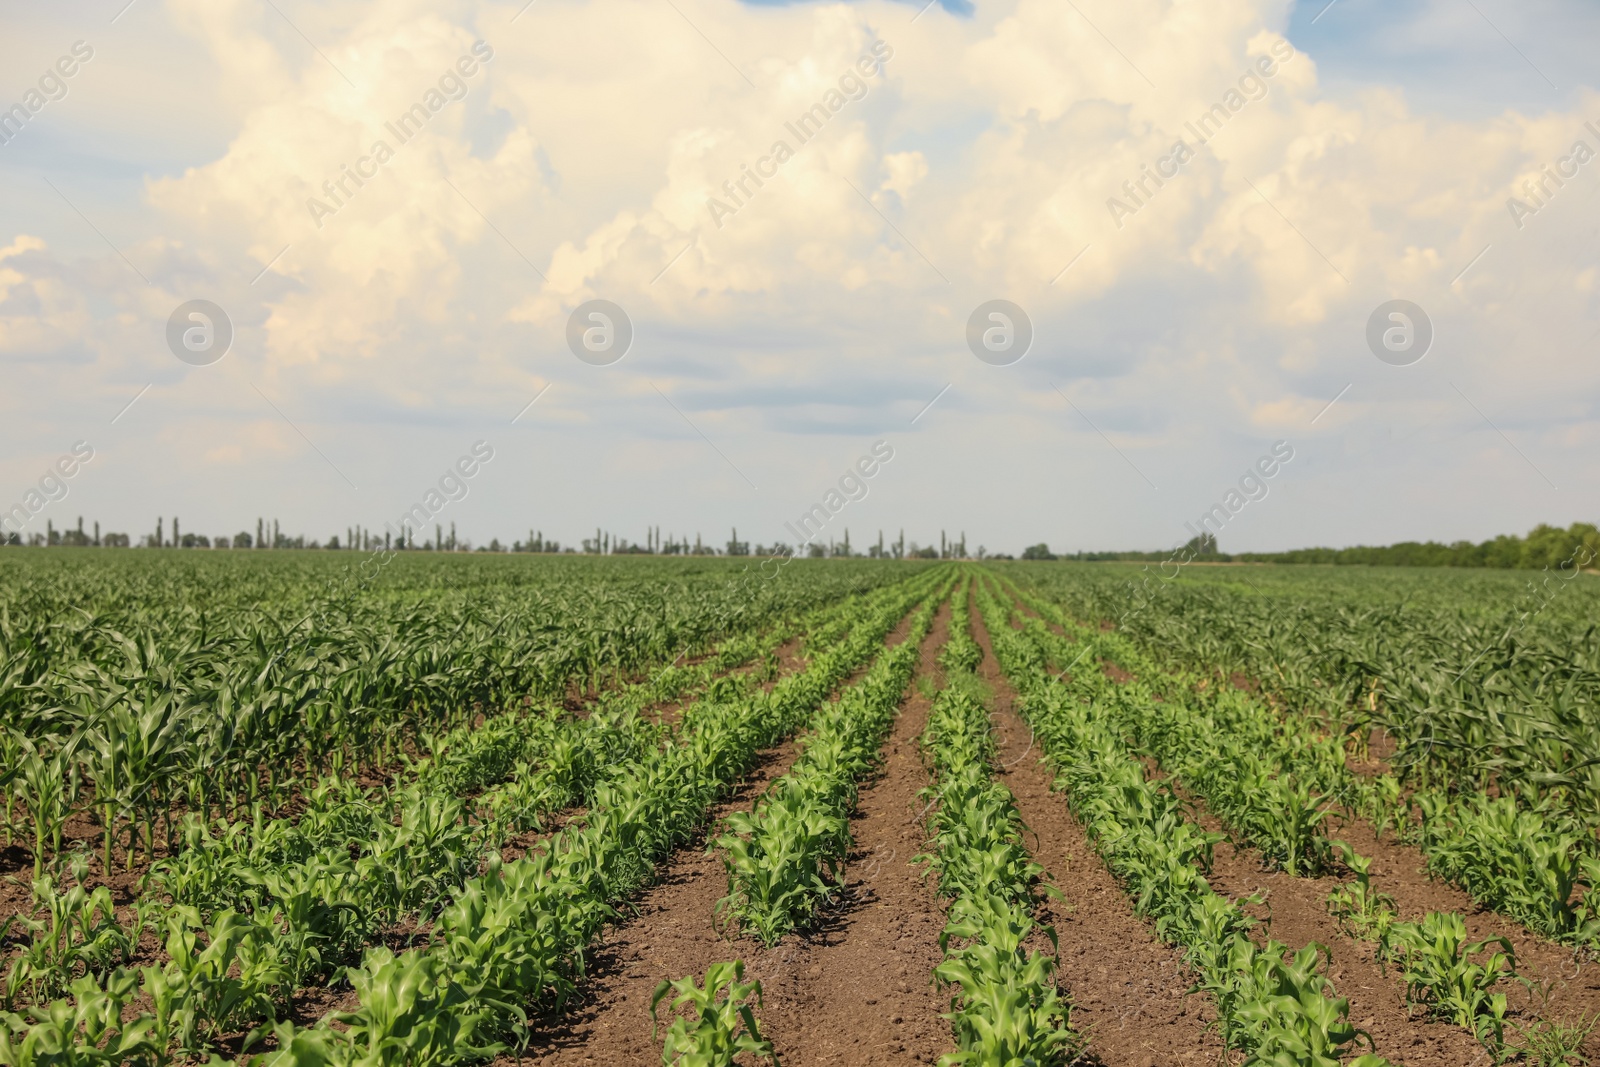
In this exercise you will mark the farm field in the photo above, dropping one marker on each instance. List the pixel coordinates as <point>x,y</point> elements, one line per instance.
<point>266,808</point>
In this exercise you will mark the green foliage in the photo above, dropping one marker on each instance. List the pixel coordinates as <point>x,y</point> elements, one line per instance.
<point>1484,689</point>
<point>785,857</point>
<point>1004,1006</point>
<point>86,1029</point>
<point>75,934</point>
<point>1275,1005</point>
<point>1269,786</point>
<point>1360,910</point>
<point>261,904</point>
<point>1515,861</point>
<point>1451,978</point>
<point>721,1023</point>
<point>1553,1042</point>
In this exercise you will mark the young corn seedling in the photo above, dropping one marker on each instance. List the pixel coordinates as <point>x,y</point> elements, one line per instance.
<point>1451,978</point>
<point>86,1029</point>
<point>78,935</point>
<point>721,1022</point>
<point>1275,1008</point>
<point>1004,1006</point>
<point>1360,910</point>
<point>232,979</point>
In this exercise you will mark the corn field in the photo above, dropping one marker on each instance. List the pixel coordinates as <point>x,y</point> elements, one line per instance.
<point>277,810</point>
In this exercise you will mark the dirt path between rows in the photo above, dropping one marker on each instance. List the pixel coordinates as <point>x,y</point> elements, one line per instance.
<point>1127,988</point>
<point>1298,914</point>
<point>861,991</point>
<point>855,992</point>
<point>1572,984</point>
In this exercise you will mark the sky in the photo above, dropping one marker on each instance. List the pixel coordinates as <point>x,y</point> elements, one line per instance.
<point>358,348</point>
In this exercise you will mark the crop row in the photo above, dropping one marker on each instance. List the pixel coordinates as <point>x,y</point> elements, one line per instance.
<point>1004,1006</point>
<point>140,691</point>
<point>784,856</point>
<point>510,941</point>
<point>1275,781</point>
<point>356,861</point>
<point>1268,786</point>
<point>1233,752</point>
<point>1273,1005</point>
<point>1482,682</point>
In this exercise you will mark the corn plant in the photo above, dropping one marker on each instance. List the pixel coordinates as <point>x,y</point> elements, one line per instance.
<point>1360,910</point>
<point>45,785</point>
<point>721,1022</point>
<point>1474,703</point>
<point>223,976</point>
<point>515,938</point>
<point>1520,853</point>
<point>86,1029</point>
<point>211,681</point>
<point>785,857</point>
<point>262,903</point>
<point>76,935</point>
<point>1452,978</point>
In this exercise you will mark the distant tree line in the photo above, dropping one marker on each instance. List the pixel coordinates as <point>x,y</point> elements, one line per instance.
<point>269,535</point>
<point>1544,546</point>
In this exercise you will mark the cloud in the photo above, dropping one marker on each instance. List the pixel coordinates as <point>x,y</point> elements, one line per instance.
<point>984,158</point>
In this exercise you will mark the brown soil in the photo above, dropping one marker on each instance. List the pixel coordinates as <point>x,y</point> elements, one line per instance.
<point>1115,673</point>
<point>854,991</point>
<point>1295,913</point>
<point>1573,984</point>
<point>1127,988</point>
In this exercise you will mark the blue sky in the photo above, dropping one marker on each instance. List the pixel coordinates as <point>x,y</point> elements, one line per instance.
<point>977,162</point>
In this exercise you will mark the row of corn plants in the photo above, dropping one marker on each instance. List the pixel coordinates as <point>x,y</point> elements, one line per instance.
<point>1274,1005</point>
<point>507,942</point>
<point>1450,978</point>
<point>134,690</point>
<point>1004,1005</point>
<point>1535,867</point>
<point>352,863</point>
<point>1207,735</point>
<point>357,861</point>
<point>1269,786</point>
<point>785,856</point>
<point>1481,680</point>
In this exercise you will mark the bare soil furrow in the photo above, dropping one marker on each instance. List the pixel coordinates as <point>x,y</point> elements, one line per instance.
<point>1127,988</point>
<point>866,969</point>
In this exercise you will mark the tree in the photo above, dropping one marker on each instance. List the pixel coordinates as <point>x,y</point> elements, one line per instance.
<point>1038,551</point>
